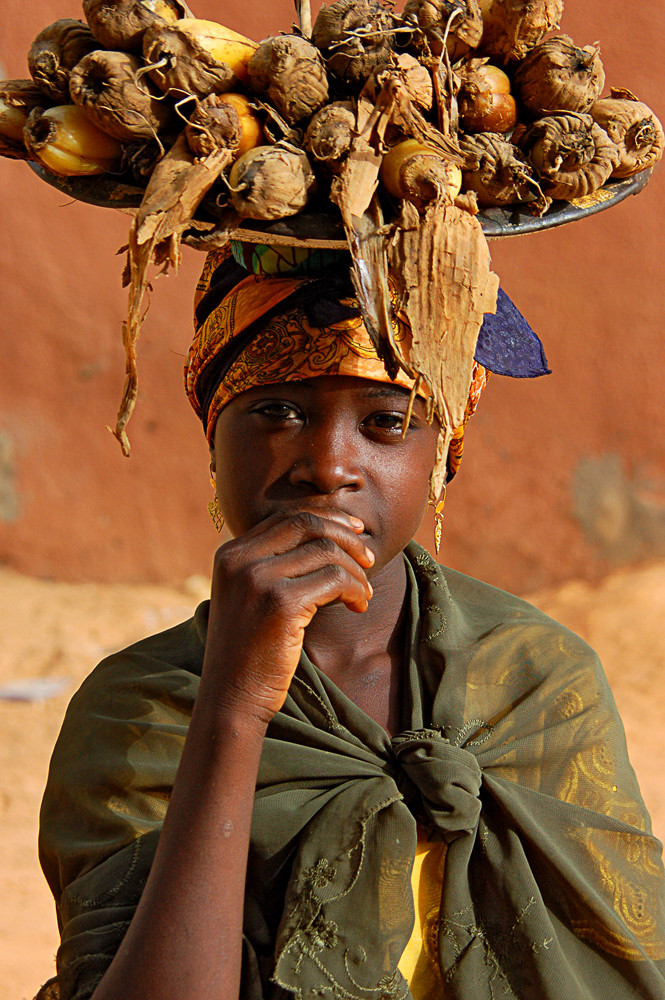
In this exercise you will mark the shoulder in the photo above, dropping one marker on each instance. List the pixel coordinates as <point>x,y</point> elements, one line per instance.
<point>118,749</point>
<point>484,625</point>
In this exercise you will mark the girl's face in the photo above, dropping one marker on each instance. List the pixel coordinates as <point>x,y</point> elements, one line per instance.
<point>327,443</point>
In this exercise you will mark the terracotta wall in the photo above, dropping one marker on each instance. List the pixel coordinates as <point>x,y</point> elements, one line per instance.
<point>562,477</point>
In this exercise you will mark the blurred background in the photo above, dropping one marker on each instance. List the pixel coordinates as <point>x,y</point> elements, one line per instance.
<point>563,477</point>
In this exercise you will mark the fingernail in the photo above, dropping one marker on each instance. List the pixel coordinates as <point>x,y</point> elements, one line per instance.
<point>369,554</point>
<point>371,588</point>
<point>356,522</point>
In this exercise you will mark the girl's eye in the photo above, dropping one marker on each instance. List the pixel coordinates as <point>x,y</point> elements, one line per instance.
<point>278,411</point>
<point>386,421</point>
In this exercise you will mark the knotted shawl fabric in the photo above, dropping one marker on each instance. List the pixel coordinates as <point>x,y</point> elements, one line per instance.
<point>511,751</point>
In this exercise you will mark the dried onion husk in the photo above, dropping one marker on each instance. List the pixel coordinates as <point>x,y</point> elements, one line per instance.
<point>355,36</point>
<point>512,27</point>
<point>416,79</point>
<point>498,173</point>
<point>457,24</point>
<point>634,129</point>
<point>104,84</point>
<point>557,75</point>
<point>291,72</point>
<point>17,99</point>
<point>441,264</point>
<point>120,24</point>
<point>330,134</point>
<point>54,53</point>
<point>570,153</point>
<point>176,188</point>
<point>271,182</point>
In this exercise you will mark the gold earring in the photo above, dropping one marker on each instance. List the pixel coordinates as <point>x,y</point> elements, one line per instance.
<point>438,519</point>
<point>213,506</point>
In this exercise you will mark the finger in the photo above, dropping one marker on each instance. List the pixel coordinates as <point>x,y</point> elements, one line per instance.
<point>315,555</point>
<point>324,586</point>
<point>282,533</point>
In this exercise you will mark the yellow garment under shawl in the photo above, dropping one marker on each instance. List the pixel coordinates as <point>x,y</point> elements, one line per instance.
<point>419,964</point>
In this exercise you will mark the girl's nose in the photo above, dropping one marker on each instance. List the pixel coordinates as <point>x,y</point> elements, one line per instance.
<point>327,462</point>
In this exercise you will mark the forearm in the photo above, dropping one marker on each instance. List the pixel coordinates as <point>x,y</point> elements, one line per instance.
<point>187,929</point>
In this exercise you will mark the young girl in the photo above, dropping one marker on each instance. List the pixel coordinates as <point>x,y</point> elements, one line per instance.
<point>353,774</point>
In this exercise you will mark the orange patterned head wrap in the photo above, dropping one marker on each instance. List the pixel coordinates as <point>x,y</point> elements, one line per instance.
<point>266,315</point>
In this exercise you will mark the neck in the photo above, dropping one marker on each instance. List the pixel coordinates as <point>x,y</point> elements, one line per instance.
<point>341,642</point>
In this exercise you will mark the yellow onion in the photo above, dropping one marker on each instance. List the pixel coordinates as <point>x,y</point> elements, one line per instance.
<point>484,101</point>
<point>289,70</point>
<point>556,75</point>
<point>271,182</point>
<point>570,153</point>
<point>66,142</point>
<point>512,27</point>
<point>633,128</point>
<point>419,173</point>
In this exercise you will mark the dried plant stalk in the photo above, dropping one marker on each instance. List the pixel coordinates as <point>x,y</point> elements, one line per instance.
<point>512,27</point>
<point>441,264</point>
<point>176,188</point>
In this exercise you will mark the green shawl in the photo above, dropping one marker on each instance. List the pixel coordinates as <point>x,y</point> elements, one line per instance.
<point>512,752</point>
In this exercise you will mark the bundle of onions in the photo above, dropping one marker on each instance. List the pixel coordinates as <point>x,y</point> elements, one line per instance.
<point>633,127</point>
<point>570,153</point>
<point>271,182</point>
<point>456,25</point>
<point>121,24</point>
<point>104,84</point>
<point>354,37</point>
<point>289,70</point>
<point>54,53</point>
<point>498,173</point>
<point>556,75</point>
<point>512,27</point>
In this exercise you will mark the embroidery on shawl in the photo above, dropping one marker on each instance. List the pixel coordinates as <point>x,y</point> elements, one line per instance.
<point>314,933</point>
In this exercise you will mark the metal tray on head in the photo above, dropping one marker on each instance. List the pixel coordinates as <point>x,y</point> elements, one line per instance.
<point>324,229</point>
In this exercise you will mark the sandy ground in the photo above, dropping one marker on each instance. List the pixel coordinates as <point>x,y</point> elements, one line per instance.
<point>54,632</point>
